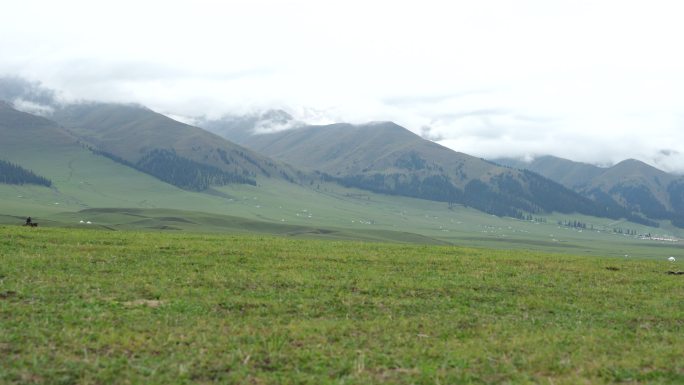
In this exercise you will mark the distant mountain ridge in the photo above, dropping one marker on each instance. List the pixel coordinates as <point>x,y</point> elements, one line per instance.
<point>238,128</point>
<point>631,184</point>
<point>18,128</point>
<point>380,156</point>
<point>163,147</point>
<point>136,137</point>
<point>387,158</point>
<point>574,175</point>
<point>81,177</point>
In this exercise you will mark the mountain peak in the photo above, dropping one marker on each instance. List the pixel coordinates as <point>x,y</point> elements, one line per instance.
<point>388,128</point>
<point>636,165</point>
<point>383,123</point>
<point>135,134</point>
<point>386,124</point>
<point>630,162</point>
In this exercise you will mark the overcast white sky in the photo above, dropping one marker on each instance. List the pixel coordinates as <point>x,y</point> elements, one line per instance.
<point>596,81</point>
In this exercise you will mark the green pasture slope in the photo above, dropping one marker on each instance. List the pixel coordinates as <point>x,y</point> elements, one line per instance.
<point>88,187</point>
<point>91,188</point>
<point>87,306</point>
<point>318,211</point>
<point>84,180</point>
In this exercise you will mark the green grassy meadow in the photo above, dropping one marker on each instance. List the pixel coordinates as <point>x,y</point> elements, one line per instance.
<point>326,212</point>
<point>88,187</point>
<point>90,306</point>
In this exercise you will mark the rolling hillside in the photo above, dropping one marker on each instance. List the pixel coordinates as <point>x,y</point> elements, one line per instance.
<point>79,178</point>
<point>160,146</point>
<point>631,184</point>
<point>386,158</point>
<point>90,187</point>
<point>574,175</point>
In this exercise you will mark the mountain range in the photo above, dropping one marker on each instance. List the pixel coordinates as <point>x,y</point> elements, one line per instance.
<point>386,158</point>
<point>238,128</point>
<point>632,184</point>
<point>186,156</point>
<point>381,157</point>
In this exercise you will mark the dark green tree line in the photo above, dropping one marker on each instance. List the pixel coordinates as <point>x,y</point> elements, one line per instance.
<point>11,173</point>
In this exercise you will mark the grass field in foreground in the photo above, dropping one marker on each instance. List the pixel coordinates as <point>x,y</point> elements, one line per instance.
<point>88,306</point>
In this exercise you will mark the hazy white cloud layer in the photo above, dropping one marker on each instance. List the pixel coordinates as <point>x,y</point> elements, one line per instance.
<point>596,81</point>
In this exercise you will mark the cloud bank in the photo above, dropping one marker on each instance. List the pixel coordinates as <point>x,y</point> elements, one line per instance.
<point>590,81</point>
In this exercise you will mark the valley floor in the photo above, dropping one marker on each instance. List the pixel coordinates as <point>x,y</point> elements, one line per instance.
<point>329,211</point>
<point>92,306</point>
